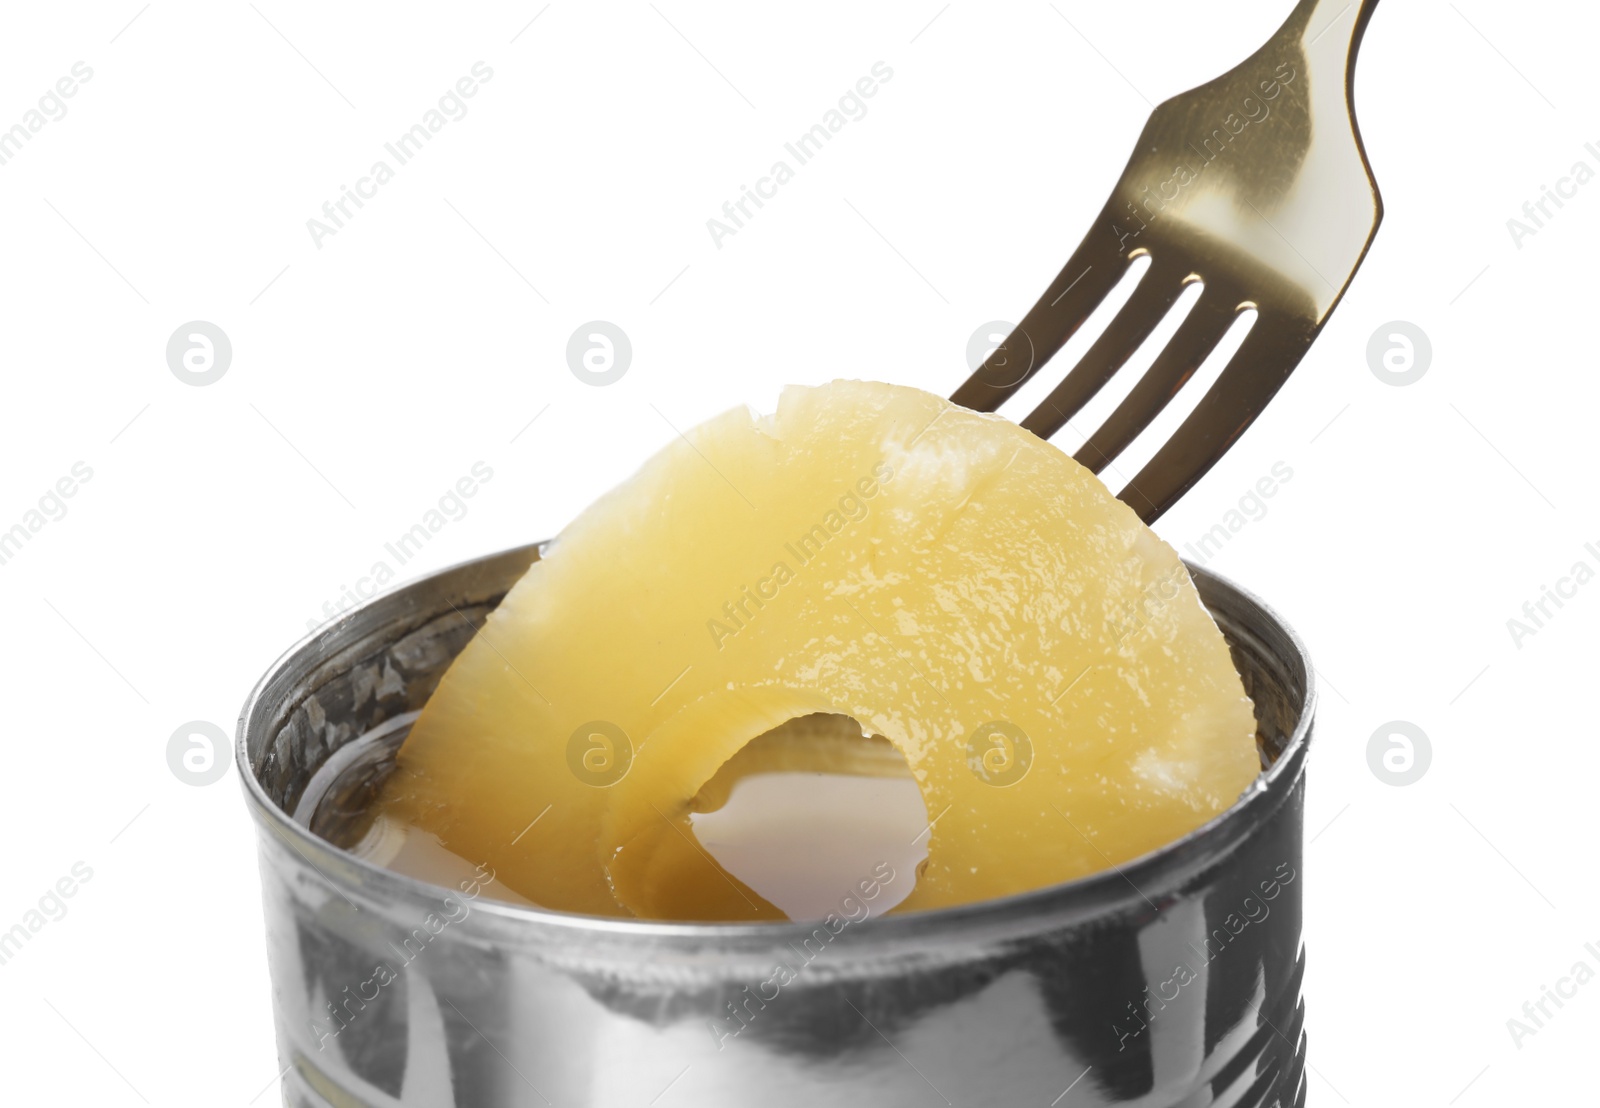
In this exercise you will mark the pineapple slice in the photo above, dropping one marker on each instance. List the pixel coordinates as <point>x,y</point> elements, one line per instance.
<point>948,580</point>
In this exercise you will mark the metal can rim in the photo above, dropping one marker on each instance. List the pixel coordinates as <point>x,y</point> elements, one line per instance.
<point>1020,914</point>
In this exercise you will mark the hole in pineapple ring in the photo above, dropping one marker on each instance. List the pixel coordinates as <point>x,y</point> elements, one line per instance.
<point>816,816</point>
<point>805,816</point>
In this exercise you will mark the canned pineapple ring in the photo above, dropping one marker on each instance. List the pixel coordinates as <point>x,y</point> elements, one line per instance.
<point>950,581</point>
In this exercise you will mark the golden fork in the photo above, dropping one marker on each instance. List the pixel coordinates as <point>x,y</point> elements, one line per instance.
<point>1256,185</point>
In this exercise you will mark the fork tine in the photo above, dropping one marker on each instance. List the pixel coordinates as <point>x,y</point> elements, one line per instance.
<point>1270,352</point>
<point>1093,271</point>
<point>1142,314</point>
<point>1191,344</point>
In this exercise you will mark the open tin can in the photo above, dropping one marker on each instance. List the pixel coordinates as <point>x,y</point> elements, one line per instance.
<point>1173,980</point>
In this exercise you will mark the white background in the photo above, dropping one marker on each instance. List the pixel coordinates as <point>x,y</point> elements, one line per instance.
<point>371,373</point>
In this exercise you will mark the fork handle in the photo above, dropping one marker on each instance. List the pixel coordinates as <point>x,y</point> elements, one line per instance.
<point>1312,20</point>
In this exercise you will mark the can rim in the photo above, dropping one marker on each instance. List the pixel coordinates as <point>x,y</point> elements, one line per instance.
<point>1019,914</point>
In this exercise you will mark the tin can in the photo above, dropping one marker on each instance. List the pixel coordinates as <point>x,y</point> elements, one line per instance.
<point>1172,980</point>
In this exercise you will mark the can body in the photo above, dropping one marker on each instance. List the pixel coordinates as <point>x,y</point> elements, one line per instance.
<point>1172,981</point>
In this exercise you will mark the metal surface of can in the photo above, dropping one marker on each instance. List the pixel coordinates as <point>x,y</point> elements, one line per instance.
<point>1173,980</point>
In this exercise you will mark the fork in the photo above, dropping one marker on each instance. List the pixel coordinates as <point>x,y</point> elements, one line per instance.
<point>1257,186</point>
